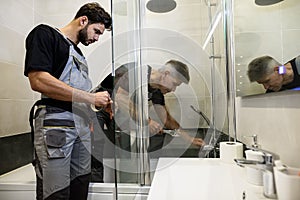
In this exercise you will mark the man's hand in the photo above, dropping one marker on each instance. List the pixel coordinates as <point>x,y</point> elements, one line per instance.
<point>109,110</point>
<point>198,142</point>
<point>102,99</point>
<point>192,140</point>
<point>154,127</point>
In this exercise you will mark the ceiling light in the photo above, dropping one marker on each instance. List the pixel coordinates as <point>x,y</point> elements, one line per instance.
<point>266,2</point>
<point>161,6</point>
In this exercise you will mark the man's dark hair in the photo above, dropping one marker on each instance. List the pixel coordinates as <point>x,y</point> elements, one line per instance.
<point>95,14</point>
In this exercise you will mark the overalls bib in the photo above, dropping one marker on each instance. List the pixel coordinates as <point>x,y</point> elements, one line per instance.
<point>62,138</point>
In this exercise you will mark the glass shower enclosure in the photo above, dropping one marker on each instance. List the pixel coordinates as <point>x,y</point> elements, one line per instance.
<point>146,35</point>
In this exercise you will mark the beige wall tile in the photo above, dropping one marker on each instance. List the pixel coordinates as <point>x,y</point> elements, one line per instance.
<point>14,116</point>
<point>249,17</point>
<point>14,85</point>
<point>185,15</point>
<point>274,118</point>
<point>290,14</point>
<point>289,44</point>
<point>12,47</point>
<point>17,16</point>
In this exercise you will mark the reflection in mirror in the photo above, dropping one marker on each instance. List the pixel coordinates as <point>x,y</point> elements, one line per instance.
<point>273,75</point>
<point>264,30</point>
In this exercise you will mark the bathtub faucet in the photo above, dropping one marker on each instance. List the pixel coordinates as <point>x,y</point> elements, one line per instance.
<point>266,165</point>
<point>212,136</point>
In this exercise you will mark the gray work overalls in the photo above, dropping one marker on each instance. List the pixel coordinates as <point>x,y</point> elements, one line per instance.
<point>61,138</point>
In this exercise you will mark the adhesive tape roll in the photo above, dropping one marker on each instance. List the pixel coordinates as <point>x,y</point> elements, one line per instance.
<point>93,107</point>
<point>230,150</point>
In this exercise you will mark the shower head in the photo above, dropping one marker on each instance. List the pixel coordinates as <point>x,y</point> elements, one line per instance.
<point>266,2</point>
<point>161,6</point>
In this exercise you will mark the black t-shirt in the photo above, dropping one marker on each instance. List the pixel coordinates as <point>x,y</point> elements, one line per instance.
<point>46,50</point>
<point>296,81</point>
<point>121,80</point>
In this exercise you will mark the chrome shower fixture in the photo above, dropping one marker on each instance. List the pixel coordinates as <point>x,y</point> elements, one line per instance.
<point>266,2</point>
<point>161,6</point>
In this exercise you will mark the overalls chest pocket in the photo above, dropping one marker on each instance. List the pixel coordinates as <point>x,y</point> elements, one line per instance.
<point>79,75</point>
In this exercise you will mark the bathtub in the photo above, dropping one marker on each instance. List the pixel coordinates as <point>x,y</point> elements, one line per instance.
<point>19,184</point>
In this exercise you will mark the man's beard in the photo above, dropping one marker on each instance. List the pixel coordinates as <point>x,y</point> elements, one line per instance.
<point>82,36</point>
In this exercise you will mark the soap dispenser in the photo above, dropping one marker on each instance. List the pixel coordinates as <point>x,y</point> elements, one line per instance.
<point>254,175</point>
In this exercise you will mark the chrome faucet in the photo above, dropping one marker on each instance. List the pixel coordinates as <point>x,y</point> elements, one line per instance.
<point>267,168</point>
<point>211,138</point>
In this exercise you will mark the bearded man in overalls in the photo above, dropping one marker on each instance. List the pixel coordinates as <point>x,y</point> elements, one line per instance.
<point>61,123</point>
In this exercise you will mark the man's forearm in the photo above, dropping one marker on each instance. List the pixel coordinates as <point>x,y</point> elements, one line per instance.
<point>51,87</point>
<point>171,123</point>
<point>48,85</point>
<point>164,115</point>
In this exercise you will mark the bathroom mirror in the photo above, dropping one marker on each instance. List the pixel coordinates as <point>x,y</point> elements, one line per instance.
<point>263,30</point>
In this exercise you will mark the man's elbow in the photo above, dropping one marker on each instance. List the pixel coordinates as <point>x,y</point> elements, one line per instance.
<point>34,86</point>
<point>35,83</point>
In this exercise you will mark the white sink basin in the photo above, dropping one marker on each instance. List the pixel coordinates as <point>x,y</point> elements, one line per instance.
<point>198,178</point>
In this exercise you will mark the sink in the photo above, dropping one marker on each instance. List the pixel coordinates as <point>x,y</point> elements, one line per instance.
<point>201,178</point>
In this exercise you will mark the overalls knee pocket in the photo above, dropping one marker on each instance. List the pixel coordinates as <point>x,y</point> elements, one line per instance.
<point>55,139</point>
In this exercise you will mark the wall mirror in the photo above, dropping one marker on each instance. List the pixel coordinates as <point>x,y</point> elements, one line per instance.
<point>263,30</point>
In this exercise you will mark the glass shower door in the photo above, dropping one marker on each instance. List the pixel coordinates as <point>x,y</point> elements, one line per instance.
<point>144,40</point>
<point>131,103</point>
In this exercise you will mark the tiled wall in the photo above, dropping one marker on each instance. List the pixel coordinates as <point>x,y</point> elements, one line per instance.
<point>17,18</point>
<point>275,119</point>
<point>16,97</point>
<point>15,151</point>
<point>15,93</point>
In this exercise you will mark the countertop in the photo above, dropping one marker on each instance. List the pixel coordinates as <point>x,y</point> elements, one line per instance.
<point>201,178</point>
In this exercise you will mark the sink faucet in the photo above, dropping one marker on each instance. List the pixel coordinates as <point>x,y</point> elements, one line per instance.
<point>267,167</point>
